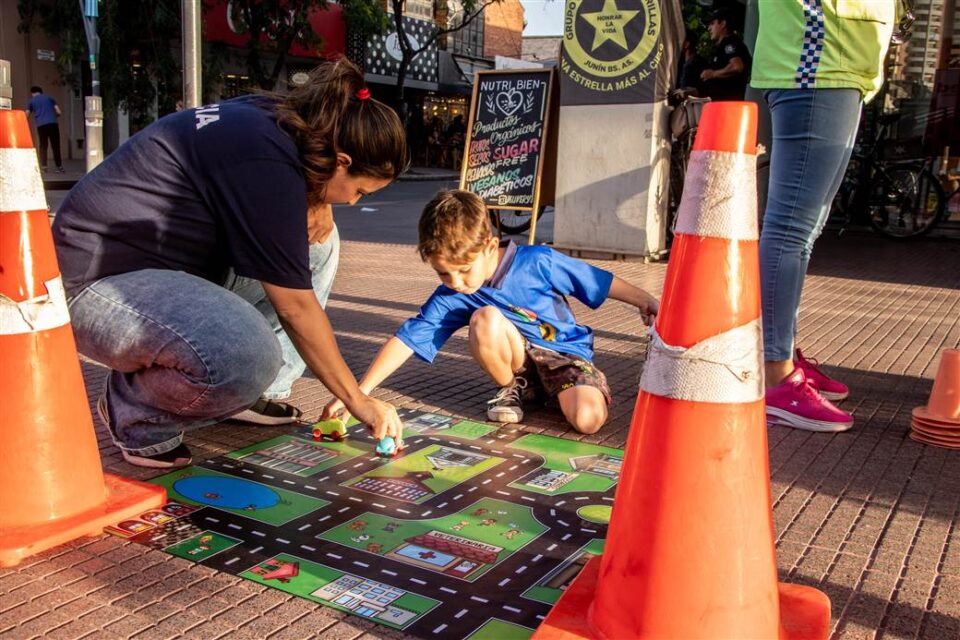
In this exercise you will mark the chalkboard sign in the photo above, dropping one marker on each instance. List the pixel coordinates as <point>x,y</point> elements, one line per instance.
<point>506,134</point>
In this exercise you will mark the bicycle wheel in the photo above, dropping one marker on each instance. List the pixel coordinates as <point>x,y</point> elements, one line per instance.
<point>511,221</point>
<point>906,202</point>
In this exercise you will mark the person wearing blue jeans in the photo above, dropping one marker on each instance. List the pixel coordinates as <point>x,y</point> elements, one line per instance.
<point>162,370</point>
<point>818,61</point>
<point>198,256</point>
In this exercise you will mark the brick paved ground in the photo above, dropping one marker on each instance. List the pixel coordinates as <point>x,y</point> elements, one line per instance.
<point>869,516</point>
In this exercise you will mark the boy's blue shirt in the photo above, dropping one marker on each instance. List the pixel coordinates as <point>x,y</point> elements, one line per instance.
<point>530,288</point>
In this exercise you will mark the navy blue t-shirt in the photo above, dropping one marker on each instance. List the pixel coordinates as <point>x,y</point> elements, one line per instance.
<point>200,191</point>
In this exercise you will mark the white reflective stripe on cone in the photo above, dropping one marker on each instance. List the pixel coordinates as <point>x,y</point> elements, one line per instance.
<point>726,206</point>
<point>725,368</point>
<point>37,314</point>
<point>21,187</point>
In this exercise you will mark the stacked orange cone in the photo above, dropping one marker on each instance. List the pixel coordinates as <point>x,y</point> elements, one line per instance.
<point>52,487</point>
<point>938,423</point>
<point>690,548</point>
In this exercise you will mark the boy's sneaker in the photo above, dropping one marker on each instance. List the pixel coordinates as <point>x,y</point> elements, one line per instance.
<point>506,407</point>
<point>797,403</point>
<point>61,170</point>
<point>829,388</point>
<point>268,412</point>
<point>179,456</point>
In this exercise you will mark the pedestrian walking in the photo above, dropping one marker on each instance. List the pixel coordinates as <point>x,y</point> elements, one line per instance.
<point>45,112</point>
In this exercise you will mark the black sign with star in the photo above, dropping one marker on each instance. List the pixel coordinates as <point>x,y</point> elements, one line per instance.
<point>619,51</point>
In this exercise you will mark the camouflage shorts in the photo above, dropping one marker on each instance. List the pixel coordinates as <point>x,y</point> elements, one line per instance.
<point>560,371</point>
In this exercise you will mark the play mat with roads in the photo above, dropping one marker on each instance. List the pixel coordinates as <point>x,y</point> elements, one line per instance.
<point>470,531</point>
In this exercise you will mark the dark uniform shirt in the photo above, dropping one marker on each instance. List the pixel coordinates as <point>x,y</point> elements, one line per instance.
<point>731,88</point>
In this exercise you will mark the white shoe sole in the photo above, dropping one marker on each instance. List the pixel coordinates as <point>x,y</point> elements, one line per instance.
<point>832,396</point>
<point>505,416</point>
<point>787,419</point>
<point>258,418</point>
<point>150,463</point>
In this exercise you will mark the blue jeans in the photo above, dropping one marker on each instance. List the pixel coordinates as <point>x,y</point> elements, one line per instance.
<point>813,135</point>
<point>186,353</point>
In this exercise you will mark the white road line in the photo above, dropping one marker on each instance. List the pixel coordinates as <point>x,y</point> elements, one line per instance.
<point>488,480</point>
<point>308,548</point>
<point>282,540</point>
<point>323,478</point>
<point>551,547</point>
<point>566,524</point>
<point>460,613</point>
<point>378,505</point>
<point>247,471</point>
<point>209,519</point>
<point>235,526</point>
<point>517,455</point>
<point>361,564</point>
<point>521,569</point>
<point>309,486</point>
<point>403,511</point>
<point>344,509</point>
<point>471,489</point>
<point>479,599</point>
<point>565,538</point>
<point>527,498</point>
<point>585,530</point>
<point>473,446</point>
<point>553,512</point>
<point>332,493</point>
<point>561,503</point>
<point>341,471</point>
<point>455,442</point>
<point>289,482</point>
<point>232,560</point>
<point>440,628</point>
<point>539,617</point>
<point>334,556</point>
<point>525,461</point>
<point>426,513</point>
<point>417,580</point>
<point>226,465</point>
<point>500,474</point>
<point>418,441</point>
<point>582,498</point>
<point>306,526</point>
<point>268,477</point>
<point>323,518</point>
<point>359,464</point>
<point>354,498</point>
<point>503,493</point>
<point>259,533</point>
<point>511,609</point>
<point>442,505</point>
<point>458,496</point>
<point>255,550</point>
<point>448,590</point>
<point>536,558</point>
<point>389,573</point>
<point>503,582</point>
<point>607,498</point>
<point>513,467</point>
<point>495,450</point>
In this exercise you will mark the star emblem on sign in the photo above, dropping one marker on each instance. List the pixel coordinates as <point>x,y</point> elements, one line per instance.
<point>609,24</point>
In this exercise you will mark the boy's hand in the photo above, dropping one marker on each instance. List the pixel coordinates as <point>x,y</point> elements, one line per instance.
<point>380,416</point>
<point>649,307</point>
<point>334,409</point>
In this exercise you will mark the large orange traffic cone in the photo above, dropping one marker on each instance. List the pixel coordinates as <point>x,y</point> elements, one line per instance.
<point>690,549</point>
<point>52,487</point>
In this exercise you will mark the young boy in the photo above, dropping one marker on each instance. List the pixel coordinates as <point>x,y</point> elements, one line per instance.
<point>513,299</point>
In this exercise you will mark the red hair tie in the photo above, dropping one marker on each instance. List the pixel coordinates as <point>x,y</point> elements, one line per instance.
<point>363,94</point>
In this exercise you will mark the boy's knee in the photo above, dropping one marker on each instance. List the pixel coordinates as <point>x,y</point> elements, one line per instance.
<point>587,417</point>
<point>487,323</point>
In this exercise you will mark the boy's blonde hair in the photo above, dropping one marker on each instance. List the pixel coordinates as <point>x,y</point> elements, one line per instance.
<point>454,226</point>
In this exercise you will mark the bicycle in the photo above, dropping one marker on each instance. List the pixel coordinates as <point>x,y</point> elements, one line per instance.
<point>683,126</point>
<point>512,221</point>
<point>901,199</point>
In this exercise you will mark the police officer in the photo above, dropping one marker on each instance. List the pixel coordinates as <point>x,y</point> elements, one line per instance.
<point>728,70</point>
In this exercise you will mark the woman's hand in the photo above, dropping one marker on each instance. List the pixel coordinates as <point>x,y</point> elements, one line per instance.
<point>334,409</point>
<point>380,416</point>
<point>319,223</point>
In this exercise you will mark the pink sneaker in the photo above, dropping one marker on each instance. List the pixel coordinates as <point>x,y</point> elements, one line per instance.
<point>829,388</point>
<point>797,403</point>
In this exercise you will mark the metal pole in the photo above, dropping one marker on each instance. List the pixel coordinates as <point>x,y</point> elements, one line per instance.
<point>192,25</point>
<point>93,105</point>
<point>6,88</point>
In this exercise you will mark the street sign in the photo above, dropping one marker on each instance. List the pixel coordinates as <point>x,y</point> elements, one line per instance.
<point>46,54</point>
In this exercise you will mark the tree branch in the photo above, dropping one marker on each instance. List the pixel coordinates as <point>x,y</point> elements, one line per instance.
<point>442,32</point>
